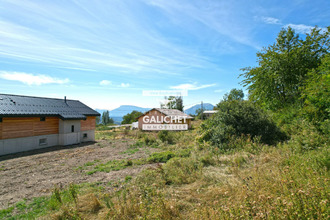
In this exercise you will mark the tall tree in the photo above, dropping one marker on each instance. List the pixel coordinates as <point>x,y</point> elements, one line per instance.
<point>316,94</point>
<point>173,102</point>
<point>97,120</point>
<point>106,118</point>
<point>283,67</point>
<point>131,117</point>
<point>234,94</point>
<point>179,103</point>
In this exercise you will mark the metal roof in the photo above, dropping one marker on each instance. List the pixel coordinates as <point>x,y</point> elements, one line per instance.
<point>19,106</point>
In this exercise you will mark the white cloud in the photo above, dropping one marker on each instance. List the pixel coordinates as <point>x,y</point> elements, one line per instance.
<point>189,86</point>
<point>127,46</point>
<point>124,85</point>
<point>270,20</point>
<point>31,79</point>
<point>300,28</point>
<point>105,83</point>
<point>303,29</point>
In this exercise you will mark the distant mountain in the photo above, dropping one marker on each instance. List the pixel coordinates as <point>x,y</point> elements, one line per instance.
<point>118,113</point>
<point>125,109</point>
<point>192,110</point>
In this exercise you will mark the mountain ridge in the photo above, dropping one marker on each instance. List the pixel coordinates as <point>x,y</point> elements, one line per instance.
<point>118,113</point>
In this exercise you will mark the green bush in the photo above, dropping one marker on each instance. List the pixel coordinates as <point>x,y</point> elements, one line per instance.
<point>207,160</point>
<point>316,93</point>
<point>236,118</point>
<point>306,137</point>
<point>161,157</point>
<point>166,136</point>
<point>149,140</point>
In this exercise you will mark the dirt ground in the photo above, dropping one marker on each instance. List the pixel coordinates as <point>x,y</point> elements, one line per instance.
<point>35,173</point>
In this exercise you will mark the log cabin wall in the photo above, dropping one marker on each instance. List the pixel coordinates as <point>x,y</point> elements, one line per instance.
<point>154,113</point>
<point>88,124</point>
<point>27,127</point>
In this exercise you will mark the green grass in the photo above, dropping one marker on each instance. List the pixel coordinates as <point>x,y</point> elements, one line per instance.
<point>199,181</point>
<point>161,157</point>
<point>112,165</point>
<point>104,127</point>
<point>130,151</point>
<point>105,135</point>
<point>88,164</point>
<point>26,210</point>
<point>46,205</point>
<point>6,213</point>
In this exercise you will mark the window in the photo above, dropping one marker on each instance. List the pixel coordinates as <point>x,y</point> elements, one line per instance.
<point>0,119</point>
<point>42,141</point>
<point>42,118</point>
<point>85,135</point>
<point>72,128</point>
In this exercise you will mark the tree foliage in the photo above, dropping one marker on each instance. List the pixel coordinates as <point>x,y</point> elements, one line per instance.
<point>173,102</point>
<point>131,117</point>
<point>234,94</point>
<point>106,118</point>
<point>199,114</point>
<point>238,117</point>
<point>279,78</point>
<point>97,120</point>
<point>316,93</point>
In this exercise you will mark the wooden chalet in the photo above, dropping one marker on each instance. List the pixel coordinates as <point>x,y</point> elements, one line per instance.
<point>28,123</point>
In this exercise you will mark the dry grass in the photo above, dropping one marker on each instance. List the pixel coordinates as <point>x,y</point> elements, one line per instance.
<point>254,181</point>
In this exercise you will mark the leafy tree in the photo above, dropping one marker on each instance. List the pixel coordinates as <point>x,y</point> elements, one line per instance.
<point>316,94</point>
<point>283,66</point>
<point>234,94</point>
<point>97,120</point>
<point>106,118</point>
<point>173,102</point>
<point>170,102</point>
<point>179,103</point>
<point>199,115</point>
<point>131,117</point>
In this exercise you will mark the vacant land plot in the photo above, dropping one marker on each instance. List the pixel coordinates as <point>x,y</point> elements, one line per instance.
<point>34,174</point>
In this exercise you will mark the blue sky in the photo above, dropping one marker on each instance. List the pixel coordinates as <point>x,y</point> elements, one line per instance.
<point>106,52</point>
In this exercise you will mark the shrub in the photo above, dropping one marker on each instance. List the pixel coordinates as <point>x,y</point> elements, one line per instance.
<point>236,118</point>
<point>207,160</point>
<point>306,137</point>
<point>149,140</point>
<point>161,157</point>
<point>166,136</point>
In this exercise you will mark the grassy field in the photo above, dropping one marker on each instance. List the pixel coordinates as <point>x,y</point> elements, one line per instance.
<point>192,180</point>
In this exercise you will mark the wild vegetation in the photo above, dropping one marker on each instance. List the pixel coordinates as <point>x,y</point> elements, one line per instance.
<point>131,117</point>
<point>105,119</point>
<point>266,157</point>
<point>173,102</point>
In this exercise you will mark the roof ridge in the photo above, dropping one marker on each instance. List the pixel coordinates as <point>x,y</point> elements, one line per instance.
<point>38,97</point>
<point>13,105</point>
